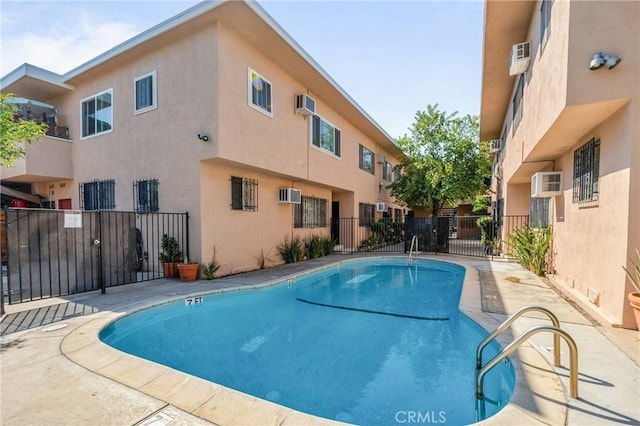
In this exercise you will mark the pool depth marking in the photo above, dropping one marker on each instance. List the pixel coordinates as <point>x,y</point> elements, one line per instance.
<point>391,314</point>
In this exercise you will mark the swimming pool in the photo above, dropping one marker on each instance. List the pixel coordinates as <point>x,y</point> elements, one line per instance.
<point>368,341</point>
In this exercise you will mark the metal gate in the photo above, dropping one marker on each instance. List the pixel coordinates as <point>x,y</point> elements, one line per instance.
<point>462,235</point>
<point>54,253</point>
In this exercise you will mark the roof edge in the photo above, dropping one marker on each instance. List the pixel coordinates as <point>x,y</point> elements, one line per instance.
<point>264,15</point>
<point>29,70</point>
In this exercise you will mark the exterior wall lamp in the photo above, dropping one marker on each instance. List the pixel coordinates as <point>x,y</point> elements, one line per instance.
<point>602,59</point>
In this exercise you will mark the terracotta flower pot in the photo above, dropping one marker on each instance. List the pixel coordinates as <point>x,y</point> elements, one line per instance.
<point>188,271</point>
<point>170,270</point>
<point>634,300</point>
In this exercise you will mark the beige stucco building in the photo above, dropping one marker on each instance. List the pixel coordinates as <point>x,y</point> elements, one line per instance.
<point>571,110</point>
<point>199,114</point>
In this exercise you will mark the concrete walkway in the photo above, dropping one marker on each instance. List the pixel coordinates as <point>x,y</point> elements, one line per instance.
<point>60,373</point>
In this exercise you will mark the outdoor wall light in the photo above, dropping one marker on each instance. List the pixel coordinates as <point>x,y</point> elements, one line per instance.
<point>203,137</point>
<point>602,59</point>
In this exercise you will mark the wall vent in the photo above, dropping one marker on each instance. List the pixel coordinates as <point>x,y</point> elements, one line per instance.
<point>520,58</point>
<point>381,207</point>
<point>289,195</point>
<point>305,105</point>
<point>546,184</point>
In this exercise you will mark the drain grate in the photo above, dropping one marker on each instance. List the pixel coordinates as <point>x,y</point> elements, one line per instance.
<point>158,419</point>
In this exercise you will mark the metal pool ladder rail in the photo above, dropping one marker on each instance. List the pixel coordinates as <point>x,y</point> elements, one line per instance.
<point>413,240</point>
<point>557,333</point>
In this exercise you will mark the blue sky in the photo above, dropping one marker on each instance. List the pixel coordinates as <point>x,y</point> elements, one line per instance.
<point>392,57</point>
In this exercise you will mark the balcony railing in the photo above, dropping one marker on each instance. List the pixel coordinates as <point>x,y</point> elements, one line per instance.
<point>58,131</point>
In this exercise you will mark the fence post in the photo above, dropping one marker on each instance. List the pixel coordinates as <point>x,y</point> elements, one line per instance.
<point>101,280</point>
<point>186,230</point>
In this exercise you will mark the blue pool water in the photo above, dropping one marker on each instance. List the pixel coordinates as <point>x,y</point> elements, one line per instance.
<point>370,342</point>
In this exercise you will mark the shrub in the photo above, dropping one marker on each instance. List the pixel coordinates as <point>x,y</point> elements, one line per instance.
<point>313,247</point>
<point>291,250</point>
<point>170,250</point>
<point>530,247</point>
<point>209,270</point>
<point>263,258</point>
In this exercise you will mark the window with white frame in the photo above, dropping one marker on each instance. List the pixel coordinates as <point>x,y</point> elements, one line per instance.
<point>96,114</point>
<point>545,17</point>
<point>244,194</point>
<point>366,160</point>
<point>260,95</point>
<point>310,213</point>
<point>387,171</point>
<point>517,102</point>
<point>145,93</point>
<point>586,171</point>
<point>325,135</point>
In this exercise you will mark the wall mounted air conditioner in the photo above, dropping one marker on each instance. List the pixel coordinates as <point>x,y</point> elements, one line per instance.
<point>495,145</point>
<point>546,184</point>
<point>305,105</point>
<point>381,159</point>
<point>289,195</point>
<point>381,207</point>
<point>520,58</point>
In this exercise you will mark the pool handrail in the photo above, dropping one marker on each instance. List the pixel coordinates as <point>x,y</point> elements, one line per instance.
<point>511,320</point>
<point>414,239</point>
<point>573,358</point>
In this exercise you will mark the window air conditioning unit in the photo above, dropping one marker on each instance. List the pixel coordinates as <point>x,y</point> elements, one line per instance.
<point>546,184</point>
<point>520,58</point>
<point>289,195</point>
<point>305,105</point>
<point>381,207</point>
<point>381,159</point>
<point>495,145</point>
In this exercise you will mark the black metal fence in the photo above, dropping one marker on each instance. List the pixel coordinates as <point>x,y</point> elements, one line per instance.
<point>60,252</point>
<point>462,235</point>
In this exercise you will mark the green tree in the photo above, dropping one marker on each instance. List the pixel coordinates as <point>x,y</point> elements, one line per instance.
<point>444,163</point>
<point>16,133</point>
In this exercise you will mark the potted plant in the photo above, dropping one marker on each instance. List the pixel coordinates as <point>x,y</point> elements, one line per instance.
<point>634,297</point>
<point>169,255</point>
<point>188,270</point>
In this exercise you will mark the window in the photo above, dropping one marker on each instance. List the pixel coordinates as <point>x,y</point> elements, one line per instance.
<point>545,17</point>
<point>145,194</point>
<point>539,212</point>
<point>97,114</point>
<point>366,160</point>
<point>310,213</point>
<point>387,171</point>
<point>367,214</point>
<point>260,93</point>
<point>586,171</point>
<point>517,102</point>
<point>397,215</point>
<point>324,135</point>
<point>98,195</point>
<point>244,194</point>
<point>145,93</point>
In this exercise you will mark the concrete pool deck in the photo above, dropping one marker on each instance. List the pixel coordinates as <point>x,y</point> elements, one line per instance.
<point>60,373</point>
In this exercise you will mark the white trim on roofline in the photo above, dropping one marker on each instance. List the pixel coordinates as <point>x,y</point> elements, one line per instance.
<point>262,13</point>
<point>156,30</point>
<point>28,70</point>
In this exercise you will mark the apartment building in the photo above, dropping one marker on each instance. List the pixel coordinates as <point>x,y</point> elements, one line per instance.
<point>561,105</point>
<point>218,112</point>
